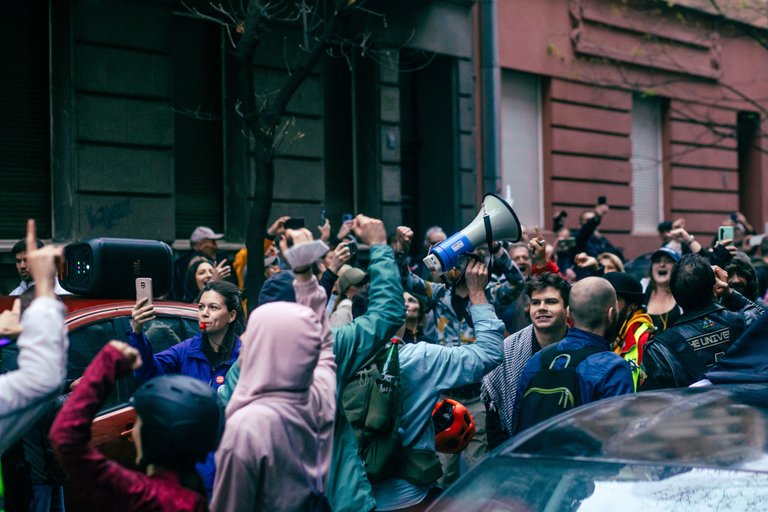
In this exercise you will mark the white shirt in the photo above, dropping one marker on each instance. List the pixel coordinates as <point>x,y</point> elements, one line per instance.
<point>24,286</point>
<point>24,393</point>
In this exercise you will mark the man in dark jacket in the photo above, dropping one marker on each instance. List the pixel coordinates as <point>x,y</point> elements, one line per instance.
<point>589,239</point>
<point>681,355</point>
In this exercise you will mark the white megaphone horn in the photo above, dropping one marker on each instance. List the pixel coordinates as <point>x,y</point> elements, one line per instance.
<point>495,221</point>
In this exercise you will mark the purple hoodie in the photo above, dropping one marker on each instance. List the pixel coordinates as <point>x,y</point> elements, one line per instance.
<point>279,431</point>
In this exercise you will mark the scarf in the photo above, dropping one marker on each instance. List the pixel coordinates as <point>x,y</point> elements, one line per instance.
<point>499,388</point>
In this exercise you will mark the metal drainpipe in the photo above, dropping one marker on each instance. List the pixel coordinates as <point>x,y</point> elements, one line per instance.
<point>355,137</point>
<point>490,84</point>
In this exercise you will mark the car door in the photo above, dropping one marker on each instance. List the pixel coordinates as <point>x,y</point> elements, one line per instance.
<point>111,429</point>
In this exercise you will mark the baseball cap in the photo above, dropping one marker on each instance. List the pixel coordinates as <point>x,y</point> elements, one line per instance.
<point>204,233</point>
<point>353,276</point>
<point>665,251</point>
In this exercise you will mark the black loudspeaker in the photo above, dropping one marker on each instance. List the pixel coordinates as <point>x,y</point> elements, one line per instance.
<point>108,267</point>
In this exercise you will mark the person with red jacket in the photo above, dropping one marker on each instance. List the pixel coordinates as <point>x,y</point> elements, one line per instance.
<point>178,421</point>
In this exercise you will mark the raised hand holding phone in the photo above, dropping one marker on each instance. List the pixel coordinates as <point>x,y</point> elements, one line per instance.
<point>142,313</point>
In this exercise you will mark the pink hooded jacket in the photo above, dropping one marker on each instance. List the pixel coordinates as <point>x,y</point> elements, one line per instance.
<point>279,431</point>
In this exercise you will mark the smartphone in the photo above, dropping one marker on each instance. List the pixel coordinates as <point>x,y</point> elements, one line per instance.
<point>144,289</point>
<point>725,233</point>
<point>294,223</point>
<point>352,245</point>
<point>345,217</point>
<point>322,217</point>
<point>566,243</point>
<point>601,200</point>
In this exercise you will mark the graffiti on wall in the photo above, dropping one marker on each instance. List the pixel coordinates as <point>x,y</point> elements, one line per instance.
<point>108,215</point>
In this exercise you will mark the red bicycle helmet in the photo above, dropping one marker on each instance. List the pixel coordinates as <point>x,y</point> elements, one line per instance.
<point>454,426</point>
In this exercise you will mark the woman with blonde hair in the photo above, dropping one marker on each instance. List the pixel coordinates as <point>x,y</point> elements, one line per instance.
<point>610,262</point>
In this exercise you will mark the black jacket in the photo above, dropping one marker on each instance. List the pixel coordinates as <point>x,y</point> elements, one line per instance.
<point>747,359</point>
<point>682,354</point>
<point>587,241</point>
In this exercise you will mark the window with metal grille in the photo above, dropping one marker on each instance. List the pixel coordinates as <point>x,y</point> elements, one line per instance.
<point>25,159</point>
<point>198,141</point>
<point>521,151</point>
<point>647,159</point>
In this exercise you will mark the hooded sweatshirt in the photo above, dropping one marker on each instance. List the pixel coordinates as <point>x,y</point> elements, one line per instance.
<point>353,345</point>
<point>278,438</point>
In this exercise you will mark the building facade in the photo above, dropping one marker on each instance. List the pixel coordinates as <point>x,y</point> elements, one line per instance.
<point>659,106</point>
<point>120,119</point>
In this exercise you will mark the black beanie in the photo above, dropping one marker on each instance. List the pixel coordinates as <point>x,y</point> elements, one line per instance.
<point>278,288</point>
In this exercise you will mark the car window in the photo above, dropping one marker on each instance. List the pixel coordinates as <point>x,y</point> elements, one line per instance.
<point>84,343</point>
<point>162,332</point>
<point>658,427</point>
<point>166,331</point>
<point>555,485</point>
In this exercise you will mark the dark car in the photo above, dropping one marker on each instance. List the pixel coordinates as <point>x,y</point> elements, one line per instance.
<point>692,449</point>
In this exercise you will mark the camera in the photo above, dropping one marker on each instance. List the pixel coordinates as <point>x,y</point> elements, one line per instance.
<point>352,245</point>
<point>294,223</point>
<point>565,244</point>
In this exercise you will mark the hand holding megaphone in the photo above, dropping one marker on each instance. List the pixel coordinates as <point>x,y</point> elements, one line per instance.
<point>476,278</point>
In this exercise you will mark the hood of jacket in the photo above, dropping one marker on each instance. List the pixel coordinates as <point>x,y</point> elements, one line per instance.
<point>280,348</point>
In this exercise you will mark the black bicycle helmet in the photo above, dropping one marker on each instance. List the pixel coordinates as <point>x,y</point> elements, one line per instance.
<point>181,419</point>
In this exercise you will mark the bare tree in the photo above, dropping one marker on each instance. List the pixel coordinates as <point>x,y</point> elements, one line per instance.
<point>245,24</point>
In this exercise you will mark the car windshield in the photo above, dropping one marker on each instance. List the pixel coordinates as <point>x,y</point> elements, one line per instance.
<point>528,484</point>
<point>723,427</point>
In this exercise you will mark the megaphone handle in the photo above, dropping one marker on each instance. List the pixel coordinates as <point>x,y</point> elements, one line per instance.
<point>488,232</point>
<point>489,241</point>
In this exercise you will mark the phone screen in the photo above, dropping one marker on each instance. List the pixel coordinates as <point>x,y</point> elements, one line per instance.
<point>725,233</point>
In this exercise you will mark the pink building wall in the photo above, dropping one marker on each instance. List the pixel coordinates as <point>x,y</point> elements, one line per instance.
<point>591,55</point>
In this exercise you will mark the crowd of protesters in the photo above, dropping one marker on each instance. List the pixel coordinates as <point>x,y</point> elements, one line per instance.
<point>257,414</point>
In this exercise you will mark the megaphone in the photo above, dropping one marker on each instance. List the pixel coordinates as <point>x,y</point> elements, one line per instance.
<point>495,221</point>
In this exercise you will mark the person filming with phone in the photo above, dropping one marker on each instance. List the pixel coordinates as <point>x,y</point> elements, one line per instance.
<point>588,238</point>
<point>207,356</point>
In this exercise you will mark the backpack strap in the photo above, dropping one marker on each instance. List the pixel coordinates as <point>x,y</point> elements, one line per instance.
<point>573,358</point>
